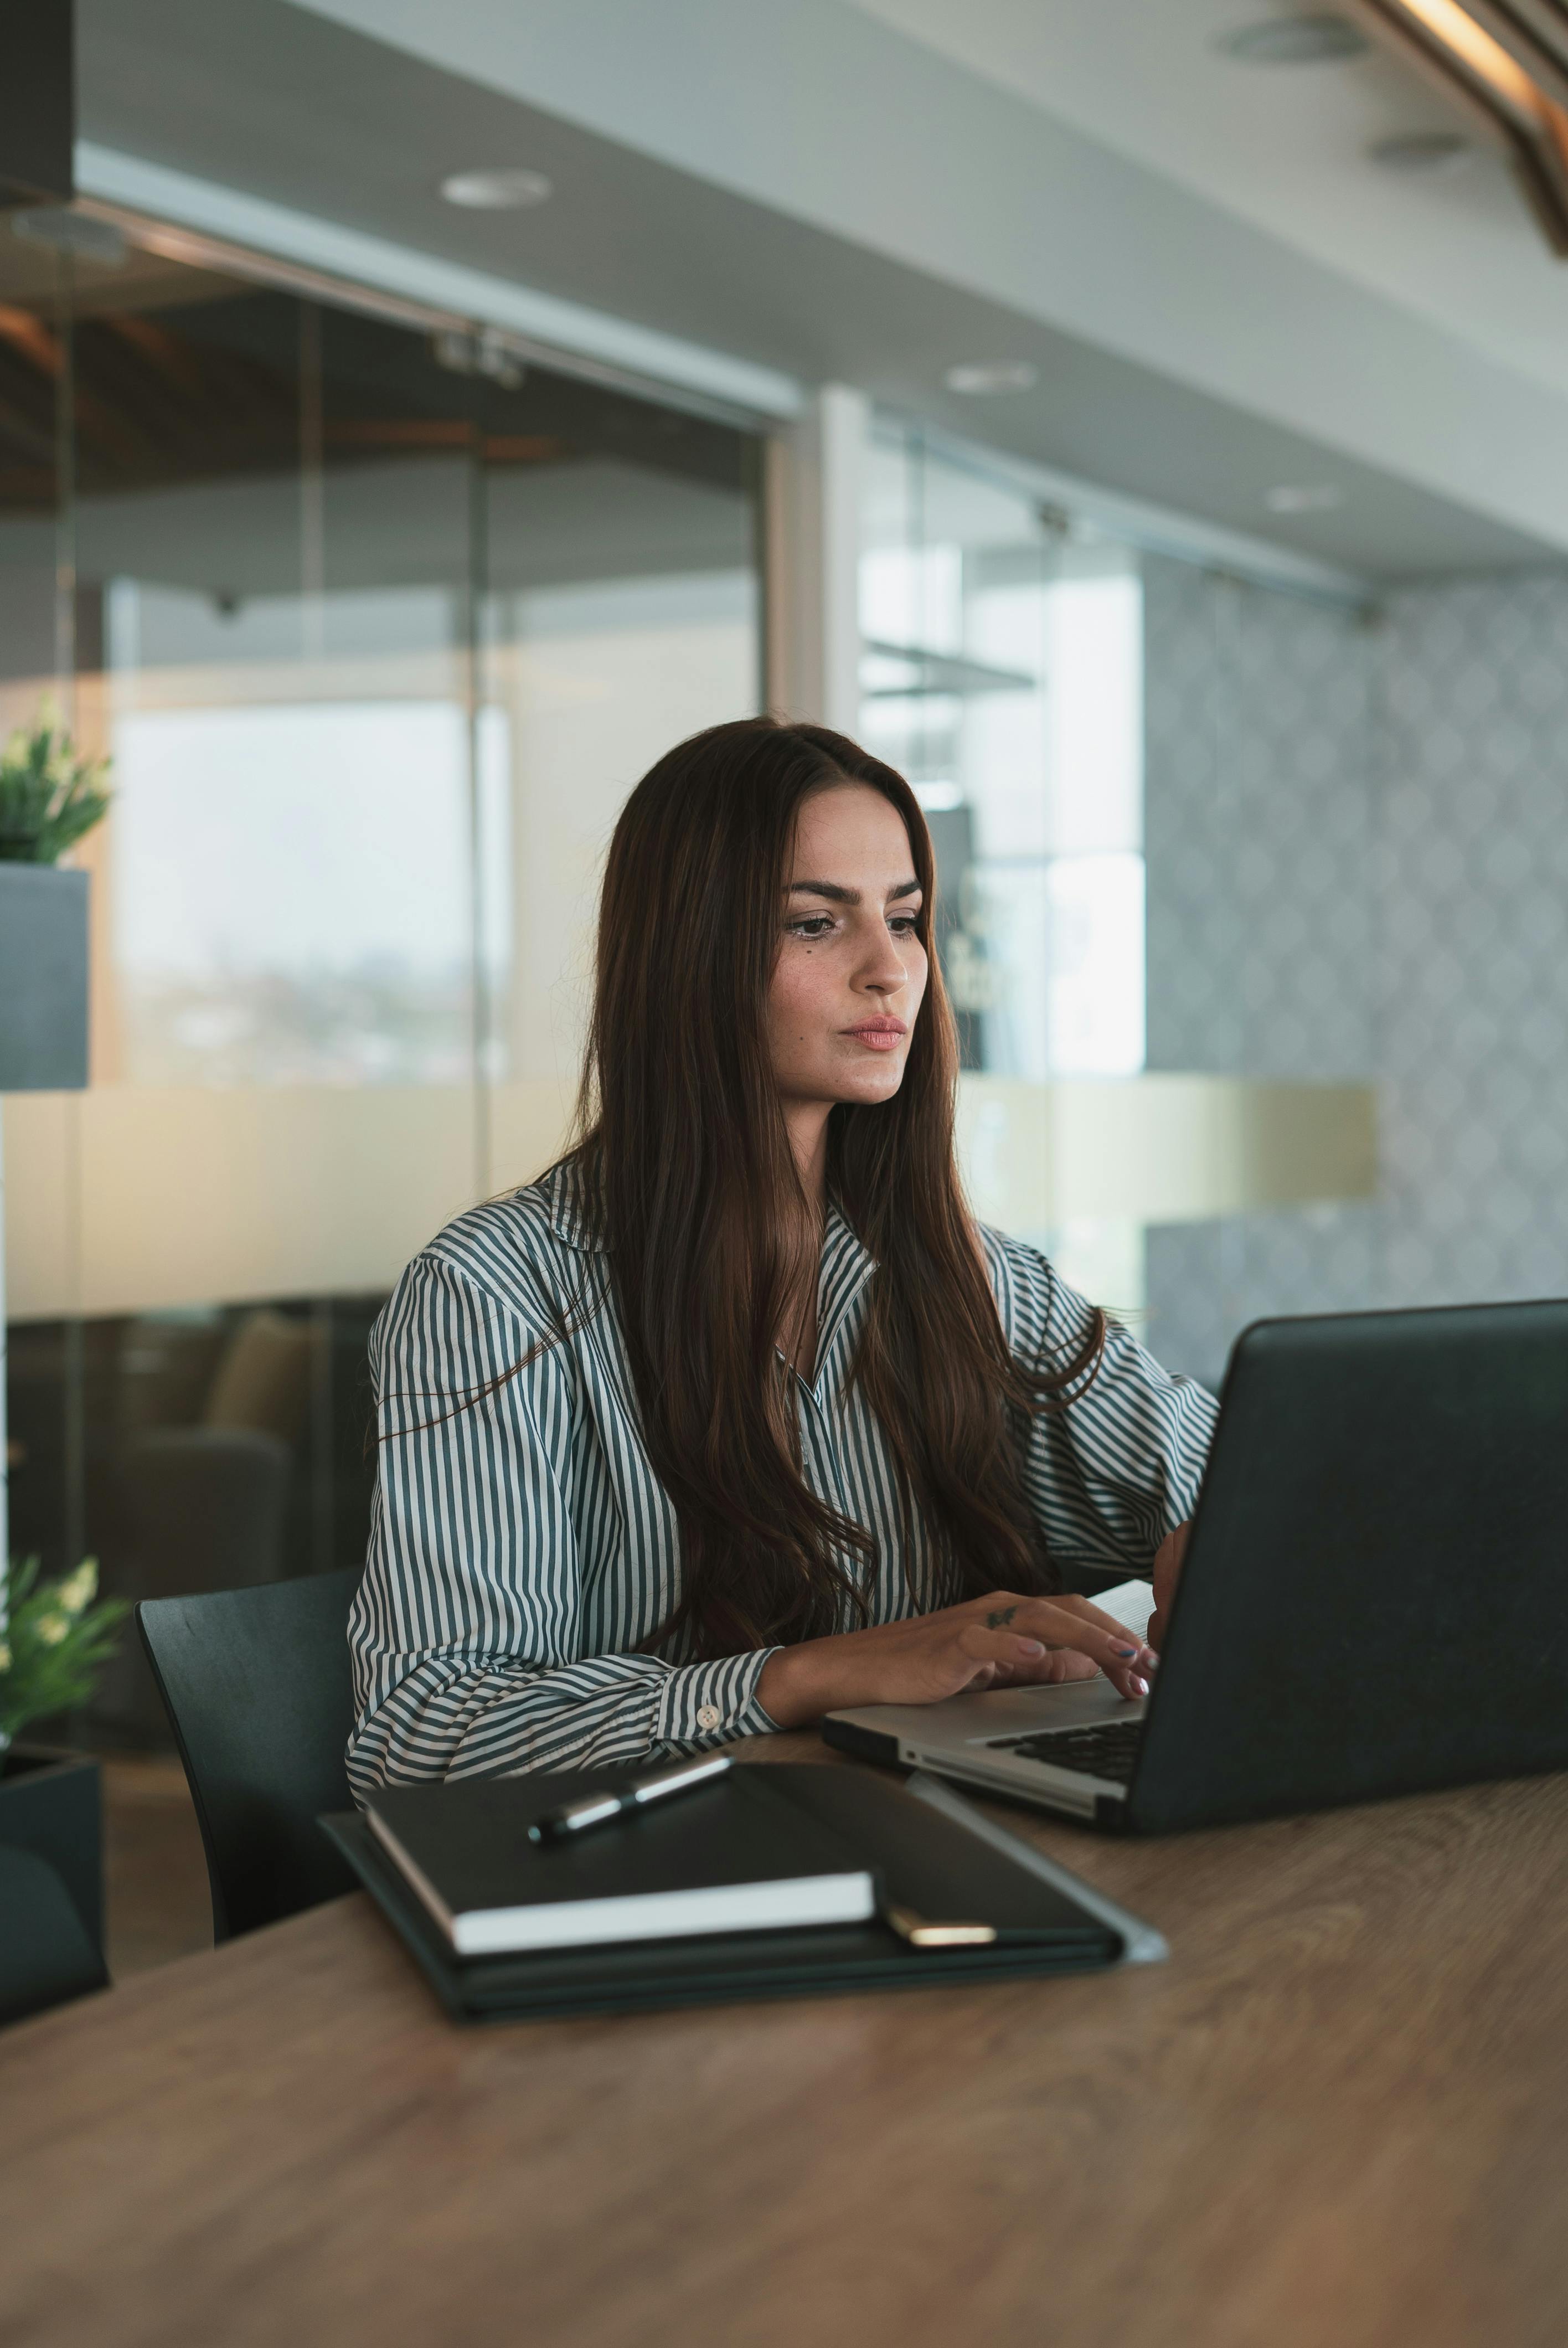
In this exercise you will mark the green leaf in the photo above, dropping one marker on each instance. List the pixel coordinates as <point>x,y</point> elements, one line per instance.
<point>49,796</point>
<point>54,1659</point>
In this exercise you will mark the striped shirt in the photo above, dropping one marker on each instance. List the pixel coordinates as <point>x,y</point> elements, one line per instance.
<point>522,1548</point>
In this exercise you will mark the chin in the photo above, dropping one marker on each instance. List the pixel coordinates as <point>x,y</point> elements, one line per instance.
<point>876,1085</point>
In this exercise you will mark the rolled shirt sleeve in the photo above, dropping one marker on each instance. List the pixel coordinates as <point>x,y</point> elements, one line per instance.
<point>467,1634</point>
<point>1109,1477</point>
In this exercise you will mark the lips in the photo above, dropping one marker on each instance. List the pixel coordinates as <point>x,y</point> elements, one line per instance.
<point>882,1035</point>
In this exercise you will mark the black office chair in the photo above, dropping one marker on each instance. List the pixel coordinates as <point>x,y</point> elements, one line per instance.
<point>256,1685</point>
<point>46,1953</point>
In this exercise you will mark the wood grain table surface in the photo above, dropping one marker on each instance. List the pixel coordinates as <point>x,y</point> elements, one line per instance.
<point>1339,2116</point>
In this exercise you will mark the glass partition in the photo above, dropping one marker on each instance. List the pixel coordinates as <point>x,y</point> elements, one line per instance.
<point>378,628</point>
<point>1155,790</point>
<point>1249,905</point>
<point>1003,672</point>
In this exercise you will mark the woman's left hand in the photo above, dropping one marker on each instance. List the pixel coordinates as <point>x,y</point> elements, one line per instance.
<point>1167,1572</point>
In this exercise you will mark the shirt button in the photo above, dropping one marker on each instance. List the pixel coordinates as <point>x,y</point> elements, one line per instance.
<point>708,1716</point>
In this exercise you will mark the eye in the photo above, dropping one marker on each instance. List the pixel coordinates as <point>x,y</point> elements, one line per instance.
<point>810,925</point>
<point>904,925</point>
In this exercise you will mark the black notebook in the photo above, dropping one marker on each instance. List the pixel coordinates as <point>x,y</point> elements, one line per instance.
<point>726,1858</point>
<point>931,1852</point>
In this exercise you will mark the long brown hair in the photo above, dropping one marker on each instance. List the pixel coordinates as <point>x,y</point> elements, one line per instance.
<point>684,1162</point>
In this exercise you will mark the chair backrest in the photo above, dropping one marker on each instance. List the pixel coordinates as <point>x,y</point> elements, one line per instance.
<point>257,1688</point>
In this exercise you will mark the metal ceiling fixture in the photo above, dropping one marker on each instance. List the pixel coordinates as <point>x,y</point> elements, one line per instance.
<point>1506,63</point>
<point>1311,40</point>
<point>1421,151</point>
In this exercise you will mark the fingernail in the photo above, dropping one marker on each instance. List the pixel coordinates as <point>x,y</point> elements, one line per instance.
<point>1124,1651</point>
<point>1033,1646</point>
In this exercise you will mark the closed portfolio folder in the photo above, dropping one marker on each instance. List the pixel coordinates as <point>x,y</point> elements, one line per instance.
<point>934,1855</point>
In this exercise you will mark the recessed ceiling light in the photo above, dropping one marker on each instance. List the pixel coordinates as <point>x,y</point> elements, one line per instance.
<point>984,382</point>
<point>1312,40</point>
<point>495,191</point>
<point>1313,496</point>
<point>1420,151</point>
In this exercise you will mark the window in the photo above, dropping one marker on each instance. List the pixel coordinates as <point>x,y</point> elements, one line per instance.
<point>1003,674</point>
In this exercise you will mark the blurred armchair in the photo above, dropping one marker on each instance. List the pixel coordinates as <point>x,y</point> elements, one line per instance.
<point>205,1506</point>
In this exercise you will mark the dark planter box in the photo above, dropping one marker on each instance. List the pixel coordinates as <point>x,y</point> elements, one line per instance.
<point>43,979</point>
<point>51,1803</point>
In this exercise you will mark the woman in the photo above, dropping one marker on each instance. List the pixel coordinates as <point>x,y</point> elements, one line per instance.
<point>735,1416</point>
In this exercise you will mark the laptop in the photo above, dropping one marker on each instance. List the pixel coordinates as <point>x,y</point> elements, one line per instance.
<point>1374,1601</point>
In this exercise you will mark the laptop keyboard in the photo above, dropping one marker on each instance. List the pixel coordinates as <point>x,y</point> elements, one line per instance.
<point>1109,1751</point>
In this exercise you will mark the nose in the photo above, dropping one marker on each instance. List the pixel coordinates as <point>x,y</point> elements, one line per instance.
<point>884,972</point>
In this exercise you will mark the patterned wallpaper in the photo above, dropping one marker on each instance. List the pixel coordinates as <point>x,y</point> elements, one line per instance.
<point>1357,866</point>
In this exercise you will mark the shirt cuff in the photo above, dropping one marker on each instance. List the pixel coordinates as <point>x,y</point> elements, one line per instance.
<point>702,1705</point>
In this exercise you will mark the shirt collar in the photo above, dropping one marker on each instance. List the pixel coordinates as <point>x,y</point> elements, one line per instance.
<point>572,1215</point>
<point>846,1265</point>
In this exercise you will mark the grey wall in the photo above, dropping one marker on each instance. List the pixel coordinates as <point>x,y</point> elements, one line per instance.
<point>1357,843</point>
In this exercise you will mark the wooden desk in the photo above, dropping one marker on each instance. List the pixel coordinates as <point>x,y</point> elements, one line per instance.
<point>1338,2117</point>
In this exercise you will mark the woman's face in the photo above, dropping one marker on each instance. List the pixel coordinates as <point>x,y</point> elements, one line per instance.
<point>851,970</point>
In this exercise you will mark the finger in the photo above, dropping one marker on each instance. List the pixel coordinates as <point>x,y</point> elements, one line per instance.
<point>1028,1663</point>
<point>1173,1549</point>
<point>1090,1613</point>
<point>1057,1622</point>
<point>1001,1646</point>
<point>1127,1645</point>
<point>1050,1665</point>
<point>1056,1666</point>
<point>1127,1660</point>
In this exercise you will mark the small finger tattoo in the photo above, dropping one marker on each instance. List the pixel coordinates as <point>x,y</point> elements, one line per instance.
<point>1003,1615</point>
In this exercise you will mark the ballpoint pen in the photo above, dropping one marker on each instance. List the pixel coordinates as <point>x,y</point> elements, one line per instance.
<point>598,1809</point>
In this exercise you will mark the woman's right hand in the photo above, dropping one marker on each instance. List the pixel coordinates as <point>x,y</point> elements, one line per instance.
<point>995,1641</point>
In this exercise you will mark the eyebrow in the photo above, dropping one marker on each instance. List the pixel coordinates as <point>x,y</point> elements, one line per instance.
<point>839,895</point>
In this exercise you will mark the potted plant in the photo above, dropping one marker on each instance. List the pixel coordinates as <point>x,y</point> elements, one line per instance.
<point>50,798</point>
<point>54,1642</point>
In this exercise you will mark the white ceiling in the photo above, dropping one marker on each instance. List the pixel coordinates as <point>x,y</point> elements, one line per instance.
<point>1284,148</point>
<point>833,189</point>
